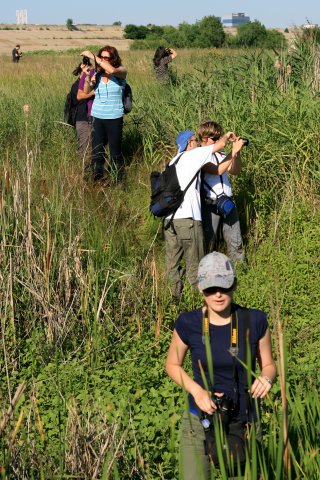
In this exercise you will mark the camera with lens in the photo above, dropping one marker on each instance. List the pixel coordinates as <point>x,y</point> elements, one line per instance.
<point>245,141</point>
<point>224,403</point>
<point>225,407</point>
<point>86,61</point>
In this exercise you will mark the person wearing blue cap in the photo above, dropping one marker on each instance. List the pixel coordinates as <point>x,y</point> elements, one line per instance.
<point>225,341</point>
<point>183,231</point>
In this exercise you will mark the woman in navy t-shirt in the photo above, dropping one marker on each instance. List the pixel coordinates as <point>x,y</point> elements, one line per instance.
<point>226,326</point>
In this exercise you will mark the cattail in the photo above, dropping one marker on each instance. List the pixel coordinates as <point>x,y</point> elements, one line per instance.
<point>26,109</point>
<point>277,64</point>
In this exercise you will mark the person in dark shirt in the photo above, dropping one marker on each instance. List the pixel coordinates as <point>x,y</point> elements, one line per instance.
<point>16,55</point>
<point>162,57</point>
<point>83,118</point>
<point>225,325</point>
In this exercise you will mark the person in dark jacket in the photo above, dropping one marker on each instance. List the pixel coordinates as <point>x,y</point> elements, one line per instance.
<point>16,54</point>
<point>161,60</point>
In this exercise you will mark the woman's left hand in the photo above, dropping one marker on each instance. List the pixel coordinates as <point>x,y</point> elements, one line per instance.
<point>85,68</point>
<point>260,387</point>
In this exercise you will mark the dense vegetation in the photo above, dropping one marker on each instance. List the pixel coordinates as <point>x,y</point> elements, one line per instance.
<point>85,317</point>
<point>205,33</point>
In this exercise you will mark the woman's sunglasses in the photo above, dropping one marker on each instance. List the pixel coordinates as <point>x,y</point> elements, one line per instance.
<point>213,290</point>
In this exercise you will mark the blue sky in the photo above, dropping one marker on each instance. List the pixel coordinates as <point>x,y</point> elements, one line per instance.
<point>272,13</point>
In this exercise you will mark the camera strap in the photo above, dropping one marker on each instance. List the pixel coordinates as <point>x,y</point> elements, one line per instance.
<point>234,340</point>
<point>221,181</point>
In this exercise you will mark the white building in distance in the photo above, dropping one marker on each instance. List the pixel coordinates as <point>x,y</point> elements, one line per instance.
<point>234,19</point>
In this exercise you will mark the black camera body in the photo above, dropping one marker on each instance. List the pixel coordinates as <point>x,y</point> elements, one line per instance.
<point>86,61</point>
<point>225,408</point>
<point>224,403</point>
<point>245,141</point>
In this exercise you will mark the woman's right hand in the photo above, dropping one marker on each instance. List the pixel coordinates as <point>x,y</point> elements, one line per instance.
<point>204,401</point>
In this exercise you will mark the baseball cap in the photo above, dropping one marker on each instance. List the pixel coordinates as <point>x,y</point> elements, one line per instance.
<point>215,270</point>
<point>182,140</point>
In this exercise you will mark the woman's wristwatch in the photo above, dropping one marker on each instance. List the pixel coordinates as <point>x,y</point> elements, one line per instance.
<point>269,380</point>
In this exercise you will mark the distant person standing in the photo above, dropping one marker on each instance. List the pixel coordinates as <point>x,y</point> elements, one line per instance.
<point>16,54</point>
<point>162,57</point>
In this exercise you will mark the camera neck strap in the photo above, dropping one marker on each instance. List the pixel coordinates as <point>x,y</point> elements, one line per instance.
<point>234,340</point>
<point>221,181</point>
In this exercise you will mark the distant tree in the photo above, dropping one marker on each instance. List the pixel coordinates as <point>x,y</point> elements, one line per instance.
<point>186,35</point>
<point>210,33</point>
<point>171,37</point>
<point>286,30</point>
<point>274,39</point>
<point>69,23</point>
<point>117,24</point>
<point>135,32</point>
<point>155,31</point>
<point>251,34</point>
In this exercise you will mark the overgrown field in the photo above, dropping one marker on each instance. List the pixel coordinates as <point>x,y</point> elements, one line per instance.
<point>85,318</point>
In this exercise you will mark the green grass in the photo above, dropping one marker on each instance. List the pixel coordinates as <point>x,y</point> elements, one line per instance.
<point>85,318</point>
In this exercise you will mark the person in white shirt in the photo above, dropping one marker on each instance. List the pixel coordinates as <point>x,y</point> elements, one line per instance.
<point>183,232</point>
<point>212,187</point>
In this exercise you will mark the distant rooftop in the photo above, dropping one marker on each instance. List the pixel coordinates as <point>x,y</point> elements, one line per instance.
<point>310,25</point>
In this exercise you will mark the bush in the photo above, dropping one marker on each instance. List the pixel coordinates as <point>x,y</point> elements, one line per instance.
<point>69,24</point>
<point>134,32</point>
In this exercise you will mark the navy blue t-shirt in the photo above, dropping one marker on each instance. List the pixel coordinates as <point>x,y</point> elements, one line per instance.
<point>226,379</point>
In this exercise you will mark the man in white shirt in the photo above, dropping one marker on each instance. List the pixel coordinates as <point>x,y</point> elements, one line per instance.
<point>184,237</point>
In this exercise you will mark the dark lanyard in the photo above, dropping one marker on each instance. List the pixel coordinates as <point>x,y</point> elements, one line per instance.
<point>221,181</point>
<point>234,337</point>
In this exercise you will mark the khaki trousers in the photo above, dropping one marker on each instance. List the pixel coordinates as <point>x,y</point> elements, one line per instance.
<point>183,239</point>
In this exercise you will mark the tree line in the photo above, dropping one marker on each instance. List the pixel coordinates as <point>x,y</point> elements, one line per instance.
<point>205,33</point>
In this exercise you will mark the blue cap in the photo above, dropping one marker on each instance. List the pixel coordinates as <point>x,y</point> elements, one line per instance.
<point>182,140</point>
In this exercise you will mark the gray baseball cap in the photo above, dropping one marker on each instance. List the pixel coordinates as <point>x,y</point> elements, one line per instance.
<point>215,270</point>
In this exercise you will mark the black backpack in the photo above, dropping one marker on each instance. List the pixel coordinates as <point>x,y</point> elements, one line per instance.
<point>71,105</point>
<point>166,194</point>
<point>127,98</point>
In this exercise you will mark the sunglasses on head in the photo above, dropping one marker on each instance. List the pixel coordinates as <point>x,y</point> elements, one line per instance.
<point>213,290</point>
